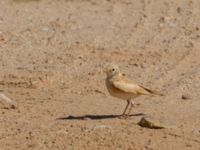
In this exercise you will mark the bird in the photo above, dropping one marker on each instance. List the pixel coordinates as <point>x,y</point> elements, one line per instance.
<point>119,86</point>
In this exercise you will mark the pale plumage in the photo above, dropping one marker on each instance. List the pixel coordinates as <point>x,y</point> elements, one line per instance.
<point>121,87</point>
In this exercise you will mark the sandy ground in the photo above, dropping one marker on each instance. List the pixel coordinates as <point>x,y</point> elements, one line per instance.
<point>51,55</point>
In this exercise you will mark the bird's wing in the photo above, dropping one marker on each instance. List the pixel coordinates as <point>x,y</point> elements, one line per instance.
<point>152,91</point>
<point>128,86</point>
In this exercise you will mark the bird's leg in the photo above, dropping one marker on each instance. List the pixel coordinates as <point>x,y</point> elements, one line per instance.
<point>132,104</point>
<point>128,103</point>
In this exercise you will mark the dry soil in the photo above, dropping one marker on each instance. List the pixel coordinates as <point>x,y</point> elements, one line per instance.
<point>51,57</point>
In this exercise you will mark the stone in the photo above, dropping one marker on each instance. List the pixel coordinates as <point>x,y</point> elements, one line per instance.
<point>149,122</point>
<point>185,96</point>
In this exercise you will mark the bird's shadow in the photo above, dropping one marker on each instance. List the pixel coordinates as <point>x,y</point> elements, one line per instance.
<point>98,117</point>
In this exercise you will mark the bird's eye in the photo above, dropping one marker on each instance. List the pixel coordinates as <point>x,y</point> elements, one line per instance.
<point>113,69</point>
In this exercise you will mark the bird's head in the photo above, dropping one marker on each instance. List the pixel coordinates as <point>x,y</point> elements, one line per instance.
<point>112,70</point>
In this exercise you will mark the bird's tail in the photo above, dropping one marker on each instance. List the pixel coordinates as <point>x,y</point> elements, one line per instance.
<point>153,92</point>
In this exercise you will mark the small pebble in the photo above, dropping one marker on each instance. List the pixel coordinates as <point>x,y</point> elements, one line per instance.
<point>185,96</point>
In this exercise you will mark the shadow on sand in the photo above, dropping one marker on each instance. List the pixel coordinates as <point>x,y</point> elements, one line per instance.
<point>97,117</point>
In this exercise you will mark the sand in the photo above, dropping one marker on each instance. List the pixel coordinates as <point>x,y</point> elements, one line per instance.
<point>52,53</point>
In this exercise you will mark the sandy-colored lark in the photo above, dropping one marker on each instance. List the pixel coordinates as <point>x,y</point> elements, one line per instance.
<point>121,87</point>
